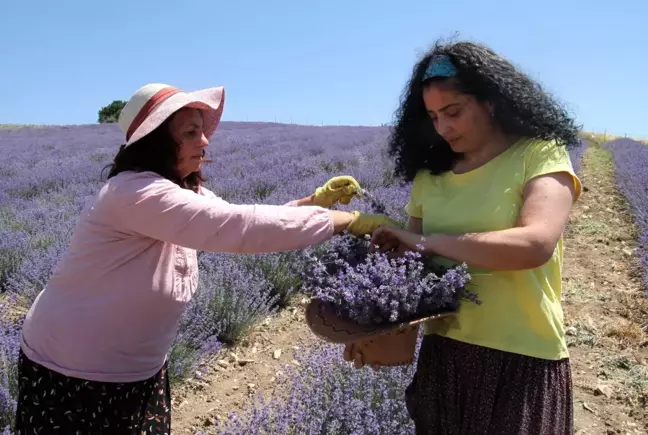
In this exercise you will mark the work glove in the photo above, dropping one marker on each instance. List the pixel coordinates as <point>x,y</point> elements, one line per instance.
<point>366,223</point>
<point>338,189</point>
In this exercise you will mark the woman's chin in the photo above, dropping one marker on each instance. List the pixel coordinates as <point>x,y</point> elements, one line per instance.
<point>458,146</point>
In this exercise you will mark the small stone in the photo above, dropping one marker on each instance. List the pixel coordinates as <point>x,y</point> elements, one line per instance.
<point>276,354</point>
<point>589,408</point>
<point>243,362</point>
<point>603,390</point>
<point>235,387</point>
<point>251,386</point>
<point>571,330</point>
<point>224,364</point>
<point>295,362</point>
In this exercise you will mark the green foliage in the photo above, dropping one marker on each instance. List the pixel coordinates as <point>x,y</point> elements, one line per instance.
<point>110,113</point>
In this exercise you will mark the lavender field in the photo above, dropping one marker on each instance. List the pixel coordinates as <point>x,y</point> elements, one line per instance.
<point>47,175</point>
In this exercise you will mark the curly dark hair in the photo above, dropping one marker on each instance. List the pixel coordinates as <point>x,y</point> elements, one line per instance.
<point>156,152</point>
<point>520,108</point>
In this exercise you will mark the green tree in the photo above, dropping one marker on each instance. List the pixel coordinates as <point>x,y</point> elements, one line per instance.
<point>110,113</point>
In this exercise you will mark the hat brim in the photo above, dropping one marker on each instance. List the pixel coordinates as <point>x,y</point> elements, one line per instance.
<point>210,101</point>
<point>324,323</point>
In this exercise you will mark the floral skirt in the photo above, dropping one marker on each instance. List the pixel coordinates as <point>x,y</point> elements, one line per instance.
<point>51,403</point>
<point>462,389</point>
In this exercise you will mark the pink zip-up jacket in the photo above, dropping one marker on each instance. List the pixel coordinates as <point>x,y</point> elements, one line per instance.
<point>112,306</point>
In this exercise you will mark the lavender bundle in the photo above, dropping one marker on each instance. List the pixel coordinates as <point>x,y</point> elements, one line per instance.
<point>370,288</point>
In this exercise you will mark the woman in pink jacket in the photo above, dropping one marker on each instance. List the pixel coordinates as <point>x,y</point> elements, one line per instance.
<point>95,341</point>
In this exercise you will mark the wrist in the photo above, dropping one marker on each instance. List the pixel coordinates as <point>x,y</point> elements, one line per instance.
<point>309,200</point>
<point>426,243</point>
<point>341,220</point>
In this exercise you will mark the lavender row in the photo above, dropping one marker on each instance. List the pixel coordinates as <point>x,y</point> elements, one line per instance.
<point>631,162</point>
<point>576,154</point>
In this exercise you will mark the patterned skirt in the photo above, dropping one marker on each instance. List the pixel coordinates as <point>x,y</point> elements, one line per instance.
<point>462,389</point>
<point>51,403</point>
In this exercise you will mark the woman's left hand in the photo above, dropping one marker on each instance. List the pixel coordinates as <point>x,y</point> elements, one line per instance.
<point>390,239</point>
<point>340,189</point>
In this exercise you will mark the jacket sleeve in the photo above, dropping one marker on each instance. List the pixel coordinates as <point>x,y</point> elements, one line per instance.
<point>209,194</point>
<point>152,206</point>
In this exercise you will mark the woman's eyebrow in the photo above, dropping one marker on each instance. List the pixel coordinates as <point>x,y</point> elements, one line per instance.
<point>444,107</point>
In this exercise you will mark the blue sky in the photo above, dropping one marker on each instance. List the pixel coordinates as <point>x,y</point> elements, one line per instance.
<point>332,62</point>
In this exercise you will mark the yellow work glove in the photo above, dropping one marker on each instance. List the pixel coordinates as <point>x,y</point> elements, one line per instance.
<point>338,189</point>
<point>367,223</point>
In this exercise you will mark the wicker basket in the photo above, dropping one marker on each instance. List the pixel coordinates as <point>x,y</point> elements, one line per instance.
<point>390,345</point>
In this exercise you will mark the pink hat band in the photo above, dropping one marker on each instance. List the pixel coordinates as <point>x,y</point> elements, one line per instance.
<point>148,108</point>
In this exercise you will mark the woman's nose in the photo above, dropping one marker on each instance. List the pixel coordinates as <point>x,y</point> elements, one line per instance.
<point>204,142</point>
<point>442,127</point>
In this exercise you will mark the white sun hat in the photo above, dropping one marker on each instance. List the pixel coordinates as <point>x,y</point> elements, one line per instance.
<point>152,104</point>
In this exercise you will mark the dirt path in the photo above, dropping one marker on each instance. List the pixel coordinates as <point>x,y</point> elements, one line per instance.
<point>604,312</point>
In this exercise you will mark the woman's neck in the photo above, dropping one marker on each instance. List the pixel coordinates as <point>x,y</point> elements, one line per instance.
<point>495,145</point>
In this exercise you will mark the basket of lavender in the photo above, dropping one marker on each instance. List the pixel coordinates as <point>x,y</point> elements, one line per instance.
<point>376,301</point>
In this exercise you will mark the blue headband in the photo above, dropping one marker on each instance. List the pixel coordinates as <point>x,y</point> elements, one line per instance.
<point>440,66</point>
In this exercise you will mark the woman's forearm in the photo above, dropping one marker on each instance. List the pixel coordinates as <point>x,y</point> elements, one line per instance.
<point>511,249</point>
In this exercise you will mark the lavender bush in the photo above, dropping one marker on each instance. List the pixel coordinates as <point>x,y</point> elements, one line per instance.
<point>281,272</point>
<point>9,347</point>
<point>631,161</point>
<point>326,395</point>
<point>230,300</point>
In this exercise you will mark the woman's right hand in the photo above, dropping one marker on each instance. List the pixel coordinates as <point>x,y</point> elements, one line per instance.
<point>367,223</point>
<point>360,224</point>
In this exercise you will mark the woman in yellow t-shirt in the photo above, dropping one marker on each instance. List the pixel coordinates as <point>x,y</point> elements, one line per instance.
<point>493,186</point>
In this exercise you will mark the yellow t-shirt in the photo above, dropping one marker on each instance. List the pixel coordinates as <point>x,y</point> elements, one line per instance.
<point>521,311</point>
